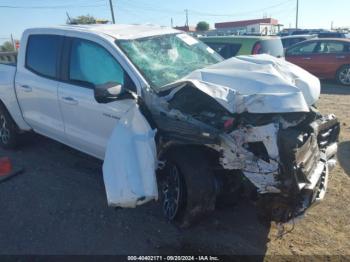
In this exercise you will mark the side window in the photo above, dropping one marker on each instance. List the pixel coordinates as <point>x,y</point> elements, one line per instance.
<point>347,48</point>
<point>42,54</point>
<point>92,64</point>
<point>302,49</point>
<point>331,47</point>
<point>225,50</point>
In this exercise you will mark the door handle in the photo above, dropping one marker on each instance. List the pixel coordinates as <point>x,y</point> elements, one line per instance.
<point>307,58</point>
<point>70,100</point>
<point>26,88</point>
<point>340,57</point>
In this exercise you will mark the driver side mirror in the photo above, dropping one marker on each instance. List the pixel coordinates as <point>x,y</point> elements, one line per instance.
<point>108,92</point>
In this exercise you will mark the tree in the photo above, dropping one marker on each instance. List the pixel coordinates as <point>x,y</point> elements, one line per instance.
<point>7,47</point>
<point>82,20</point>
<point>202,26</point>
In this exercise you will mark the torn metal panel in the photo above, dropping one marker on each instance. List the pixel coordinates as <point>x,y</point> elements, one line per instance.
<point>236,156</point>
<point>130,162</point>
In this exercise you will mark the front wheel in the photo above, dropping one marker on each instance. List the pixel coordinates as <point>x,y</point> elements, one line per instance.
<point>8,130</point>
<point>343,75</point>
<point>187,186</point>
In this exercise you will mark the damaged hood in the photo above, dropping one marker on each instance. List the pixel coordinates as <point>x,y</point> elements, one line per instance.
<point>257,84</point>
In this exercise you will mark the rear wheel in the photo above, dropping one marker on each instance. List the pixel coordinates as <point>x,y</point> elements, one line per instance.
<point>8,130</point>
<point>343,75</point>
<point>187,187</point>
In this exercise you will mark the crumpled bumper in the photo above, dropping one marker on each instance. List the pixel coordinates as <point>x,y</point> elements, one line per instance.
<point>310,162</point>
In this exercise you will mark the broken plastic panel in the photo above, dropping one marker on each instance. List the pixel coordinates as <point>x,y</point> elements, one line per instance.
<point>130,162</point>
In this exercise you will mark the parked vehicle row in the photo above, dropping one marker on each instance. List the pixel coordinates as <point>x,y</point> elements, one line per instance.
<point>230,46</point>
<point>321,33</point>
<point>288,41</point>
<point>325,58</point>
<point>8,57</point>
<point>169,116</point>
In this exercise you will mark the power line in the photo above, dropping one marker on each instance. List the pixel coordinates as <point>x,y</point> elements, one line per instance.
<point>243,13</point>
<point>149,8</point>
<point>49,7</point>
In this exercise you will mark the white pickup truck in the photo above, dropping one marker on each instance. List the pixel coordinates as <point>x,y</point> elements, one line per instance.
<point>171,119</point>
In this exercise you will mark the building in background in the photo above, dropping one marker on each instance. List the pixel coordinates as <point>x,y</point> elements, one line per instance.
<point>186,28</point>
<point>264,26</point>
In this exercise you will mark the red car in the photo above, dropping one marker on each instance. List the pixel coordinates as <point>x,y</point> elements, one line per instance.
<point>325,58</point>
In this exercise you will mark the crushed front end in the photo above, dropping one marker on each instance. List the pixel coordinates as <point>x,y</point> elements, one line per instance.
<point>287,157</point>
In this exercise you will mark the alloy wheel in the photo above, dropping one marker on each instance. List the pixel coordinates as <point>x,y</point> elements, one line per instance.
<point>344,76</point>
<point>4,131</point>
<point>171,190</point>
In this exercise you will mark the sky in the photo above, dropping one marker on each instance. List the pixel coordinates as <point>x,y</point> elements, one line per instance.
<point>17,15</point>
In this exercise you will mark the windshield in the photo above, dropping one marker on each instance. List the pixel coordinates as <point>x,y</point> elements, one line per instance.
<point>167,58</point>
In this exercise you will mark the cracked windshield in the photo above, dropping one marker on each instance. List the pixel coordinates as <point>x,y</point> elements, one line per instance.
<point>168,58</point>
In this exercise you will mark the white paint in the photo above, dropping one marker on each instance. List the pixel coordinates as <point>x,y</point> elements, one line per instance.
<point>189,40</point>
<point>257,84</point>
<point>210,50</point>
<point>8,95</point>
<point>130,162</point>
<point>118,31</point>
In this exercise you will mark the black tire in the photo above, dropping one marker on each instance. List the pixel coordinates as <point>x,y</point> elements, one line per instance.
<point>8,130</point>
<point>195,193</point>
<point>343,75</point>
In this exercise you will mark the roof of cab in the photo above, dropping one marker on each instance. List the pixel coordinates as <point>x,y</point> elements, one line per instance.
<point>243,37</point>
<point>120,31</point>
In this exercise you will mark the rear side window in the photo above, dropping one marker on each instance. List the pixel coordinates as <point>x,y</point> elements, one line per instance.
<point>331,47</point>
<point>225,50</point>
<point>42,54</point>
<point>272,47</point>
<point>92,65</point>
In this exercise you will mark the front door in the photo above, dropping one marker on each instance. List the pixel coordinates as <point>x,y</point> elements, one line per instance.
<point>89,124</point>
<point>303,55</point>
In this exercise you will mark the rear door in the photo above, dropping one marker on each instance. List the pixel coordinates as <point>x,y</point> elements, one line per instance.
<point>303,55</point>
<point>89,124</point>
<point>330,55</point>
<point>37,84</point>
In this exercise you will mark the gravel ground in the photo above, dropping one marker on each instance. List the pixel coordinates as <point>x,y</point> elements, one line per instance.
<point>58,206</point>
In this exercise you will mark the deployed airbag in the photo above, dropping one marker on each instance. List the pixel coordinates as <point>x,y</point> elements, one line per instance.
<point>130,162</point>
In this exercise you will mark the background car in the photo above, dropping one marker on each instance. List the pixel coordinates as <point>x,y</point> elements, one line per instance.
<point>230,46</point>
<point>331,35</point>
<point>327,58</point>
<point>288,41</point>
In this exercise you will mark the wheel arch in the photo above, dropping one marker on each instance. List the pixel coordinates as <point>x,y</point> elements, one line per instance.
<point>15,114</point>
<point>338,71</point>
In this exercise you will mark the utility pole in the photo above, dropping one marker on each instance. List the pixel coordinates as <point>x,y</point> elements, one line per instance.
<point>172,23</point>
<point>297,16</point>
<point>112,11</point>
<point>13,42</point>
<point>186,11</point>
<point>69,19</point>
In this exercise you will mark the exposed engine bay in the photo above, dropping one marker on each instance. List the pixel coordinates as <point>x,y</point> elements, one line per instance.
<point>272,134</point>
<point>288,154</point>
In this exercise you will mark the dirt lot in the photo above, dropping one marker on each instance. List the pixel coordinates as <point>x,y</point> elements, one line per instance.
<point>58,206</point>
